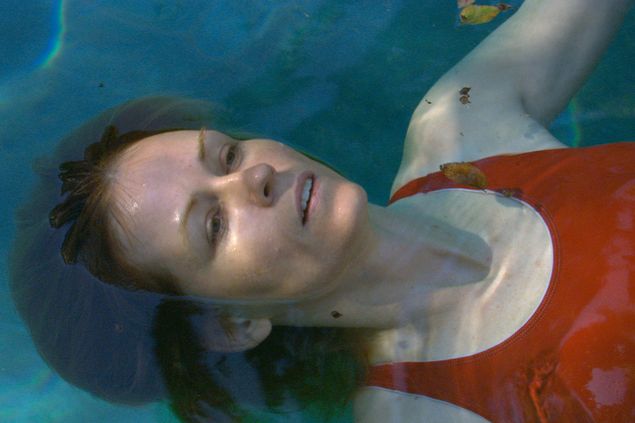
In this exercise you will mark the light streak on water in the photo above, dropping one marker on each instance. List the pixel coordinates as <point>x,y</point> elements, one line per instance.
<point>55,43</point>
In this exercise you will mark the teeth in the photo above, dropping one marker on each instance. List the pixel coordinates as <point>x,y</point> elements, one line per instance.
<point>306,193</point>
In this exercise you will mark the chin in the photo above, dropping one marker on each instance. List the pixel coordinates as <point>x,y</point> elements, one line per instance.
<point>350,217</point>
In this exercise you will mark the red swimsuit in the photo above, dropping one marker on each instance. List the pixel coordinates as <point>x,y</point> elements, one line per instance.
<point>574,360</point>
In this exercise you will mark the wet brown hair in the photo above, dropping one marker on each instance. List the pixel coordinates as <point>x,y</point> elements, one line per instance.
<point>89,209</point>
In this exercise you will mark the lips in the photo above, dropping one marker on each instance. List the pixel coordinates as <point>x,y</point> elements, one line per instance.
<point>305,179</point>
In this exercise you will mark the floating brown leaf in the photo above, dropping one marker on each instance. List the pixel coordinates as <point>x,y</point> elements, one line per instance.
<point>465,173</point>
<point>465,90</point>
<point>476,14</point>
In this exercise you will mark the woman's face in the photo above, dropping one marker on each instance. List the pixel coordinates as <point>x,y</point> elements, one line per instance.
<point>227,217</point>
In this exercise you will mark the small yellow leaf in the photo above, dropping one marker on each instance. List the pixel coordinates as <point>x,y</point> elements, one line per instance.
<point>465,173</point>
<point>475,15</point>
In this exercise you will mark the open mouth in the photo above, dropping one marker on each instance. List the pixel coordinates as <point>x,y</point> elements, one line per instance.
<point>304,191</point>
<point>305,200</point>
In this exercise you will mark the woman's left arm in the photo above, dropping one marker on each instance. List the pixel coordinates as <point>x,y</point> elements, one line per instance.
<point>518,79</point>
<point>559,43</point>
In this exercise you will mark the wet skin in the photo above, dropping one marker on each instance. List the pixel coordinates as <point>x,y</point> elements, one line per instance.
<point>225,216</point>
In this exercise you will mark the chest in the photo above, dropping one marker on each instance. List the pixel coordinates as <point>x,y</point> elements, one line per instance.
<point>468,319</point>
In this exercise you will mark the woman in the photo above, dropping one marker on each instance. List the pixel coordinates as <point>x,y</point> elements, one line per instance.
<point>452,285</point>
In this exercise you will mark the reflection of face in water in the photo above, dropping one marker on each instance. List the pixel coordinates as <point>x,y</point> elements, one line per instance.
<point>226,217</point>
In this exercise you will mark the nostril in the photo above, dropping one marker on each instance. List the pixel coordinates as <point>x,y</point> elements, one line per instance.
<point>266,190</point>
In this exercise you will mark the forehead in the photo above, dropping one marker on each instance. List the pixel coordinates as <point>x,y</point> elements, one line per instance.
<point>160,147</point>
<point>151,190</point>
<point>153,162</point>
<point>173,144</point>
<point>153,157</point>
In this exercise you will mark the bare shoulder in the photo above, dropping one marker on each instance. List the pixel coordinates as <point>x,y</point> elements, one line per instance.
<point>500,98</point>
<point>461,119</point>
<point>385,406</point>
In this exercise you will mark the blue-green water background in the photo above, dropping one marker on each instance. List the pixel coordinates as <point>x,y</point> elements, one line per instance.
<point>338,78</point>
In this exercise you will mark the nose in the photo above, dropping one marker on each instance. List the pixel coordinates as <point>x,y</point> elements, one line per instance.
<point>258,180</point>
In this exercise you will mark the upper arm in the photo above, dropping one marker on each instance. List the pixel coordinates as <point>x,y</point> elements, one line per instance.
<point>548,48</point>
<point>520,78</point>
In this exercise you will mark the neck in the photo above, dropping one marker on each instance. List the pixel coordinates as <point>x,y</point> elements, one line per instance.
<point>406,266</point>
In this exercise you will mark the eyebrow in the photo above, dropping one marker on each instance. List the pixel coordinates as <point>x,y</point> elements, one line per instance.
<point>202,153</point>
<point>201,144</point>
<point>193,200</point>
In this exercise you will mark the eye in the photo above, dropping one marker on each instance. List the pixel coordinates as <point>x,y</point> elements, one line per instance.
<point>232,154</point>
<point>214,225</point>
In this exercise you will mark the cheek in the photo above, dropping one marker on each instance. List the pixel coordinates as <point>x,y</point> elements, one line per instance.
<point>251,261</point>
<point>255,239</point>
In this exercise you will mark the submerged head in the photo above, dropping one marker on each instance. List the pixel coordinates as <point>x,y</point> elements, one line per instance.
<point>106,340</point>
<point>227,218</point>
<point>201,213</point>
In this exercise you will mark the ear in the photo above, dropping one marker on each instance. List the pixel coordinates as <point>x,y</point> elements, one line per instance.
<point>238,334</point>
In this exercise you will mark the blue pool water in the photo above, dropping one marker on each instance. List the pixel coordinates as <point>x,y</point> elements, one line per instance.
<point>339,79</point>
